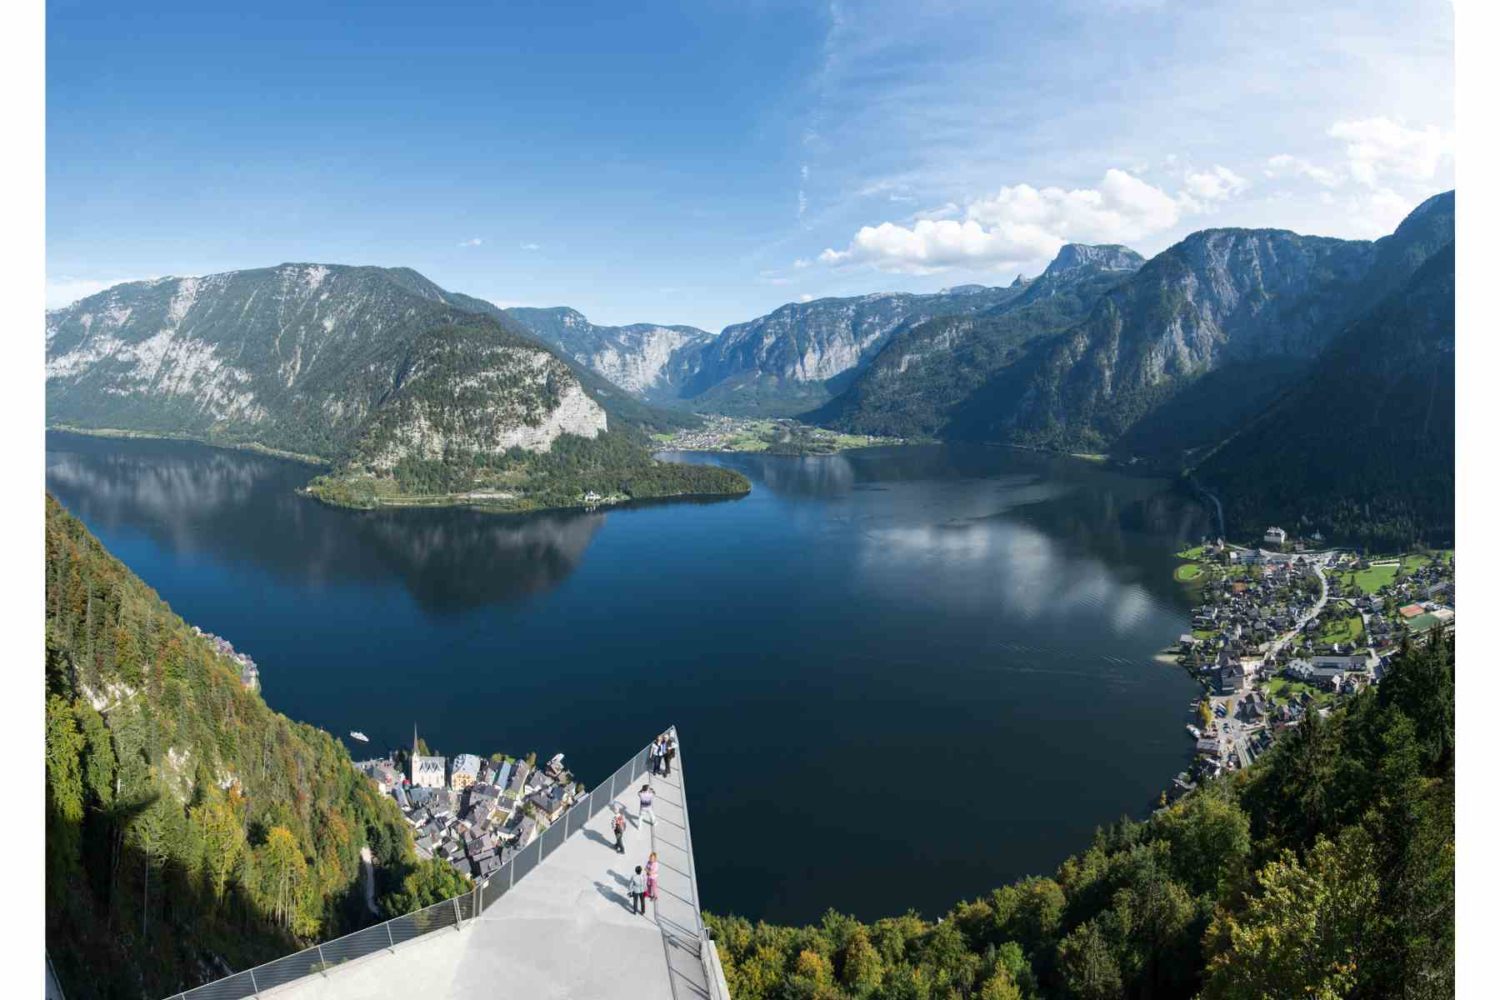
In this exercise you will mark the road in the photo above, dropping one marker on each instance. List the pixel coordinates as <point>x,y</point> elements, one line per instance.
<point>1231,726</point>
<point>1317,609</point>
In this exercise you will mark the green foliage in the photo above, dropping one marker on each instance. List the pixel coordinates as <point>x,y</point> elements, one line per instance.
<point>1363,448</point>
<point>612,465</point>
<point>1324,870</point>
<point>189,827</point>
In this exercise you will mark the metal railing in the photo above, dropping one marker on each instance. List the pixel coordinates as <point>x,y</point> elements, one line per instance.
<point>455,912</point>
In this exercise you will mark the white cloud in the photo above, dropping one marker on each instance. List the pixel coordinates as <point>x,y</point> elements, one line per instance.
<point>1020,224</point>
<point>474,242</point>
<point>1379,148</point>
<point>1376,212</point>
<point>531,246</point>
<point>1210,187</point>
<point>804,297</point>
<point>64,291</point>
<point>1284,165</point>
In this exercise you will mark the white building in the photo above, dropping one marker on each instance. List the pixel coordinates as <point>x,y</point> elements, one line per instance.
<point>465,771</point>
<point>427,772</point>
<point>1275,536</point>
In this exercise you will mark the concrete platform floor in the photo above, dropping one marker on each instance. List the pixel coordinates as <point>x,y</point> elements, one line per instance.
<point>565,931</point>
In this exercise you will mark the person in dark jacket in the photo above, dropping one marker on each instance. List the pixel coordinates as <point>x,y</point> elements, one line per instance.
<point>638,892</point>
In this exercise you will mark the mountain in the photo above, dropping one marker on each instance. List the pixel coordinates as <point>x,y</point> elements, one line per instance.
<point>1205,334</point>
<point>640,358</point>
<point>923,380</point>
<point>190,830</point>
<point>802,354</point>
<point>405,388</point>
<point>1221,297</point>
<point>784,363</point>
<point>1362,449</point>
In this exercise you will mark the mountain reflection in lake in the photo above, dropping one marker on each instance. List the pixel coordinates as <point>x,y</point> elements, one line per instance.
<point>930,659</point>
<point>243,506</point>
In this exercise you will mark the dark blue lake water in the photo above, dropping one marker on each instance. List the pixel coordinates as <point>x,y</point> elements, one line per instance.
<point>902,676</point>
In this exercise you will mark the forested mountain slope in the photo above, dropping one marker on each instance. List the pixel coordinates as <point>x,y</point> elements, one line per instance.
<point>1363,448</point>
<point>1218,298</point>
<point>1325,870</point>
<point>799,356</point>
<point>190,830</point>
<point>923,381</point>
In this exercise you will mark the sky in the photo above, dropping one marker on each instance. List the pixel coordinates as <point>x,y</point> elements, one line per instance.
<point>706,162</point>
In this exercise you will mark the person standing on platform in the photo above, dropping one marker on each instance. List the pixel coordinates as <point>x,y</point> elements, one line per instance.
<point>653,868</point>
<point>669,753</point>
<point>638,893</point>
<point>647,797</point>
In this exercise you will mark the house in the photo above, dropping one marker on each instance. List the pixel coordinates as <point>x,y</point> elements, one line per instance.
<point>465,771</point>
<point>1231,678</point>
<point>549,802</point>
<point>1363,661</point>
<point>526,831</point>
<point>516,787</point>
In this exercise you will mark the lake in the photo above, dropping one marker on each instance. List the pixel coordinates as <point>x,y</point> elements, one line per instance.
<point>902,676</point>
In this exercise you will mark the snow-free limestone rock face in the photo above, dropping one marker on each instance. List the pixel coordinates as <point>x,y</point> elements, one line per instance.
<point>642,358</point>
<point>316,359</point>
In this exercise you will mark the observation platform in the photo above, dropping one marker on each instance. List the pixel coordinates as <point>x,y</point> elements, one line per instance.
<point>563,929</point>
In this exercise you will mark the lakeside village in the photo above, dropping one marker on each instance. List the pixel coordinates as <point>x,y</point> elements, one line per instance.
<point>473,812</point>
<point>1282,630</point>
<point>772,435</point>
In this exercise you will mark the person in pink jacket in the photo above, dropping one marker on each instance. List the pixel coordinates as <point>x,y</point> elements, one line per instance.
<point>652,867</point>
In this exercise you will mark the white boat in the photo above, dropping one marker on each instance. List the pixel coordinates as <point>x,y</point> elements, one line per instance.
<point>359,736</point>
<point>1195,732</point>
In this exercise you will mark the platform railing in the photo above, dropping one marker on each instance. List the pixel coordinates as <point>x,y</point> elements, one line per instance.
<point>455,912</point>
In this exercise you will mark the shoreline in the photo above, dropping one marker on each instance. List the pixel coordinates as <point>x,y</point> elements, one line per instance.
<point>488,505</point>
<point>114,433</point>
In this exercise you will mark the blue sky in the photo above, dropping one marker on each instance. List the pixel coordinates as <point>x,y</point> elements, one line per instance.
<point>705,162</point>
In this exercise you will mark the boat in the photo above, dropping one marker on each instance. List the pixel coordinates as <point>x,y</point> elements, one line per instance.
<point>359,736</point>
<point>1195,732</point>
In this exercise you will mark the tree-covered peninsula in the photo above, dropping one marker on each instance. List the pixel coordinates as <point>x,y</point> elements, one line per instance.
<point>409,393</point>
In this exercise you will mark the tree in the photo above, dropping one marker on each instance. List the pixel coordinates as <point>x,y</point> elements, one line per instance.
<point>283,875</point>
<point>861,969</point>
<point>222,837</point>
<point>428,882</point>
<point>1087,965</point>
<point>1305,929</point>
<point>64,790</point>
<point>1205,714</point>
<point>1000,986</point>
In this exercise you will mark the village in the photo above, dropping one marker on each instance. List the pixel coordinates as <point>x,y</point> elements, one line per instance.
<point>474,813</point>
<point>776,436</point>
<point>1283,629</point>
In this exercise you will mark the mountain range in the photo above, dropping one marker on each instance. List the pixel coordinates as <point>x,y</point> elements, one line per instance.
<point>394,380</point>
<point>405,389</point>
<point>782,364</point>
